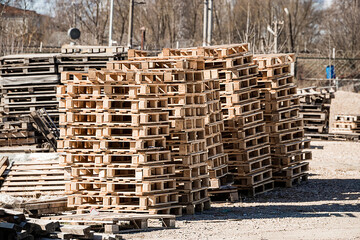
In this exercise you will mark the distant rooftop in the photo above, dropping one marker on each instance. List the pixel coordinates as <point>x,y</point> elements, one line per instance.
<point>11,11</point>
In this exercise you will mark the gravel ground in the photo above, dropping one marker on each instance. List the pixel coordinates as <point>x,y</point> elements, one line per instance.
<point>325,207</point>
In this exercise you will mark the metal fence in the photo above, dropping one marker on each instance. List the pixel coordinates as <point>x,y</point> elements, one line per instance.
<point>311,70</point>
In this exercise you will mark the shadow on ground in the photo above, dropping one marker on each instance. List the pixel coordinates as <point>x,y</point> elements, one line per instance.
<point>238,213</point>
<point>314,190</point>
<point>297,202</point>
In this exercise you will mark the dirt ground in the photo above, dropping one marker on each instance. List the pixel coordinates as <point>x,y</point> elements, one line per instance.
<point>325,207</point>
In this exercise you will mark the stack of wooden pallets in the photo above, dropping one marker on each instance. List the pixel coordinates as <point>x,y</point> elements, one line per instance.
<point>244,138</point>
<point>315,110</point>
<point>187,141</point>
<point>183,86</point>
<point>283,122</point>
<point>346,124</point>
<point>220,178</point>
<point>209,90</point>
<point>28,83</point>
<point>114,141</point>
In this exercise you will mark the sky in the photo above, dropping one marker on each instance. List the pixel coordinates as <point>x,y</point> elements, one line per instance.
<point>44,6</point>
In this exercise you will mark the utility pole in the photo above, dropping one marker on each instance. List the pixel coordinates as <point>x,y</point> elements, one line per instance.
<point>247,23</point>
<point>276,37</point>
<point>209,28</point>
<point>130,32</point>
<point>205,23</point>
<point>111,21</point>
<point>143,31</point>
<point>291,42</point>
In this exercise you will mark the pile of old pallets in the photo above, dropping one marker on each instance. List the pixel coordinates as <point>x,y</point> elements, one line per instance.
<point>114,223</point>
<point>244,137</point>
<point>113,141</point>
<point>315,110</point>
<point>161,134</point>
<point>28,83</point>
<point>168,110</point>
<point>154,134</point>
<point>15,225</point>
<point>283,122</point>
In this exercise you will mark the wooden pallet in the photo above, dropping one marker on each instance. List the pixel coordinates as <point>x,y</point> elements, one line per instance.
<point>113,222</point>
<point>284,126</point>
<point>292,171</point>
<point>292,181</point>
<point>229,194</point>
<point>245,168</point>
<point>70,49</point>
<point>251,155</point>
<point>80,68</point>
<point>222,178</point>
<point>283,115</point>
<point>217,51</point>
<point>252,179</point>
<point>280,93</point>
<point>274,60</point>
<point>27,70</point>
<point>234,145</point>
<point>275,83</point>
<point>287,148</point>
<point>229,63</point>
<point>154,204</point>
<point>286,136</point>
<point>141,158</point>
<point>47,178</point>
<point>100,173</point>
<point>4,164</point>
<point>198,206</point>
<point>27,60</point>
<point>313,116</point>
<point>86,58</point>
<point>28,89</point>
<point>37,208</point>
<point>273,72</point>
<point>279,162</point>
<point>119,186</point>
<point>257,189</point>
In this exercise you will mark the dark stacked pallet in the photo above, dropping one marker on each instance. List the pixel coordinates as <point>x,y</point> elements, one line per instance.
<point>28,83</point>
<point>315,110</point>
<point>283,123</point>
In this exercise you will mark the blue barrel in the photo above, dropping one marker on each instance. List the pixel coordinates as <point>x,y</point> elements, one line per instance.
<point>330,72</point>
